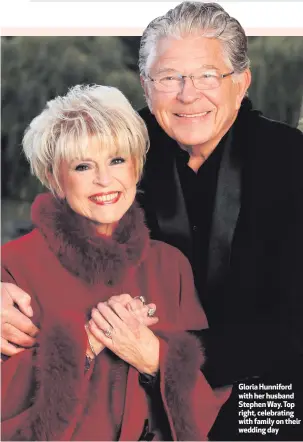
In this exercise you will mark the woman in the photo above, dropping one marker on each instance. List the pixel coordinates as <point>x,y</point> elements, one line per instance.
<point>98,373</point>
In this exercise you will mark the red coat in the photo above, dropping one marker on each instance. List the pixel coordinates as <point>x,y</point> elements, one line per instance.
<point>67,270</point>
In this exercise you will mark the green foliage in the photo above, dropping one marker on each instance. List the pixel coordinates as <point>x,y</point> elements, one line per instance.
<point>277,77</point>
<point>35,70</point>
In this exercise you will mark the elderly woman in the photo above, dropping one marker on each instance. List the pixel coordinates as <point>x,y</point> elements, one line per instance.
<point>99,373</point>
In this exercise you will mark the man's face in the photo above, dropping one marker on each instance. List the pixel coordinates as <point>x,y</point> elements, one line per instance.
<point>191,116</point>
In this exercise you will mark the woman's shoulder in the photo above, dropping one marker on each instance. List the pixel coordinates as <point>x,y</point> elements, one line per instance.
<point>26,244</point>
<point>167,253</point>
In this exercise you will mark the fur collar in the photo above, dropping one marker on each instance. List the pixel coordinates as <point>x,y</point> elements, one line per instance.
<point>92,258</point>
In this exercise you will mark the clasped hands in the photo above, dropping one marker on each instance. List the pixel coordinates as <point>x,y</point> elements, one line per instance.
<point>125,317</point>
<point>121,325</point>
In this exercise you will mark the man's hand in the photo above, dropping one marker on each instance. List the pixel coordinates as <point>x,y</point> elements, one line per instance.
<point>16,327</point>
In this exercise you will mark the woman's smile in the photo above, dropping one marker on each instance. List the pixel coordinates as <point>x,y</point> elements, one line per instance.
<point>104,199</point>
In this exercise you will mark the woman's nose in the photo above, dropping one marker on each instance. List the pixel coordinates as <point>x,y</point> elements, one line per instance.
<point>103,177</point>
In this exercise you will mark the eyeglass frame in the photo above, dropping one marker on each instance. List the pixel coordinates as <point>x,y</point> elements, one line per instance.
<point>192,77</point>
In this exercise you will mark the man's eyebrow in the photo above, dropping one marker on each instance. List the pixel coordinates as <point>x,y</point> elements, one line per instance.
<point>164,70</point>
<point>209,66</point>
<point>167,69</point>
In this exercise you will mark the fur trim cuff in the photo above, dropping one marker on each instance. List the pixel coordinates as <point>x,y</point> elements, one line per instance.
<point>60,380</point>
<point>181,358</point>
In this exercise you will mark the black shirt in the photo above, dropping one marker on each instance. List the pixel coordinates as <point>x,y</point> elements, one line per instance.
<point>199,190</point>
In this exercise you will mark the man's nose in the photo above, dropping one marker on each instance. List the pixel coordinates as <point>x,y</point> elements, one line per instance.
<point>188,92</point>
<point>103,176</point>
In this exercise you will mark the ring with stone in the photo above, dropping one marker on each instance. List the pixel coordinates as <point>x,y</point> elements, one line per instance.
<point>108,333</point>
<point>151,311</point>
<point>142,299</point>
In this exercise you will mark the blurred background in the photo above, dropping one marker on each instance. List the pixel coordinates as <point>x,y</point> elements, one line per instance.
<point>36,69</point>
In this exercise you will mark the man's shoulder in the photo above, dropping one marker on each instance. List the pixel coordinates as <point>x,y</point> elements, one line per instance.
<point>279,130</point>
<point>166,252</point>
<point>270,139</point>
<point>273,149</point>
<point>269,129</point>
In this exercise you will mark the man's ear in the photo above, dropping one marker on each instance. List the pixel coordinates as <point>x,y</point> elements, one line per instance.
<point>142,82</point>
<point>145,87</point>
<point>242,84</point>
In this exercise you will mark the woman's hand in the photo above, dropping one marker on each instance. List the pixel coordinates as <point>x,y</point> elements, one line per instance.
<point>137,308</point>
<point>120,328</point>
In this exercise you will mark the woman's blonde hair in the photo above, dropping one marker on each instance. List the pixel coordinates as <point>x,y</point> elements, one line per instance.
<point>64,128</point>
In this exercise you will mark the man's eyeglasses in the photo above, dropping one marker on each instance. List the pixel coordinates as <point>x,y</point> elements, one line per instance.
<point>203,80</point>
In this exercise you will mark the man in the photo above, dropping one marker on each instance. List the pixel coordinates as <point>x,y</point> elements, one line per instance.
<point>224,185</point>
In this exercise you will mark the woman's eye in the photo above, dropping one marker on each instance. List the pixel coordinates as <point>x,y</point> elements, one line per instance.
<point>117,160</point>
<point>81,167</point>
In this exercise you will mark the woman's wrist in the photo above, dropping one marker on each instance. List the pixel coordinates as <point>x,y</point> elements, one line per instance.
<point>151,363</point>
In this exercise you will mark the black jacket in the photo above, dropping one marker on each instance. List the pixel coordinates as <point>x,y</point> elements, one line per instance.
<point>254,295</point>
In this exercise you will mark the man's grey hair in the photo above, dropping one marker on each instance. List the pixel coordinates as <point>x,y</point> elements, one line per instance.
<point>196,18</point>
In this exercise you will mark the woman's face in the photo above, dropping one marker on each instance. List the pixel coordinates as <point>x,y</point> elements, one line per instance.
<point>100,187</point>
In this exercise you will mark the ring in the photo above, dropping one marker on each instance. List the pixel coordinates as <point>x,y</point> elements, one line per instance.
<point>108,333</point>
<point>142,299</point>
<point>151,311</point>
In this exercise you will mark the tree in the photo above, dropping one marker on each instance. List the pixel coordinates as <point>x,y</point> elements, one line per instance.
<point>35,70</point>
<point>277,86</point>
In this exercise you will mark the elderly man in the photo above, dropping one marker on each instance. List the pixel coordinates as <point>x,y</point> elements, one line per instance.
<point>224,185</point>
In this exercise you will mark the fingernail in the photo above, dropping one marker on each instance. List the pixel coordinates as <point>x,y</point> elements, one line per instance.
<point>30,311</point>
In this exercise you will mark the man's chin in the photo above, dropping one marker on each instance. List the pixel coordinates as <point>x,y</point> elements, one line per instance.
<point>192,141</point>
<point>193,136</point>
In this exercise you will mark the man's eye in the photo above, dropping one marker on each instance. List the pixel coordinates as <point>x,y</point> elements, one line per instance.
<point>117,160</point>
<point>81,167</point>
<point>208,75</point>
<point>169,78</point>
